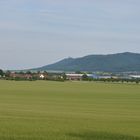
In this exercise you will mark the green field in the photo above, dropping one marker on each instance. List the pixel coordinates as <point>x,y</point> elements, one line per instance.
<point>43,110</point>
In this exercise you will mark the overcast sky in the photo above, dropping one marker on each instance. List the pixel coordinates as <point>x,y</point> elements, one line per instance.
<point>38,32</point>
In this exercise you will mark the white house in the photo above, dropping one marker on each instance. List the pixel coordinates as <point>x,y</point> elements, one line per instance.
<point>42,76</point>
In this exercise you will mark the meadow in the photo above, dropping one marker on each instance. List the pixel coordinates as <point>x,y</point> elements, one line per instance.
<point>45,110</point>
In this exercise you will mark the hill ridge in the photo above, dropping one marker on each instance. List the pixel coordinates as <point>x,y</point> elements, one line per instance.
<point>118,62</point>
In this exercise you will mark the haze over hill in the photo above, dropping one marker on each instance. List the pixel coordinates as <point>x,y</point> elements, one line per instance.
<point>113,62</point>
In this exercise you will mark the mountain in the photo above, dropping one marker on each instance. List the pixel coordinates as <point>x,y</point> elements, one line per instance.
<point>119,62</point>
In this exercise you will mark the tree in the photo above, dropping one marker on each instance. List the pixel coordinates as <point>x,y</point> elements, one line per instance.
<point>21,72</point>
<point>45,72</point>
<point>137,81</point>
<point>28,72</point>
<point>64,76</point>
<point>78,72</point>
<point>38,72</point>
<point>1,72</point>
<point>84,77</point>
<point>7,74</point>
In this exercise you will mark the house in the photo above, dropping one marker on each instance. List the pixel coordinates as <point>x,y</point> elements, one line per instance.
<point>21,75</point>
<point>41,76</point>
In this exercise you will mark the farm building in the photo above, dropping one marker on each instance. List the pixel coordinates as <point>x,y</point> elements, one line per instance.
<point>74,76</point>
<point>134,76</point>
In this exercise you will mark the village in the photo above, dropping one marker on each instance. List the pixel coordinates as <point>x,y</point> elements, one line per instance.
<point>70,76</point>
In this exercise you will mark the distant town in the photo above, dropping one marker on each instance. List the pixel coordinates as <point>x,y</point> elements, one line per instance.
<point>71,76</point>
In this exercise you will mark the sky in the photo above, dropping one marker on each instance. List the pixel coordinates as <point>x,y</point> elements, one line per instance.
<point>35,33</point>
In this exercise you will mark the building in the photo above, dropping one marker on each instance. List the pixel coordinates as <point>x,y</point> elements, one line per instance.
<point>134,76</point>
<point>74,76</point>
<point>28,76</point>
<point>41,76</point>
<point>104,77</point>
<point>21,76</point>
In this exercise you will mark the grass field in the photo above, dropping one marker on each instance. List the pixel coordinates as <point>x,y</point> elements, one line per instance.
<point>44,110</point>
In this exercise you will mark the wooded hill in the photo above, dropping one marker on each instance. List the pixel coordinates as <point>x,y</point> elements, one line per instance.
<point>119,62</point>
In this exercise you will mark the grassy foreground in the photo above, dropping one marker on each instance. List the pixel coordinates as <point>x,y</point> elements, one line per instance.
<point>44,110</point>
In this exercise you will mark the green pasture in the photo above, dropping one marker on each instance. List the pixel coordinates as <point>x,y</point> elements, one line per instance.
<point>42,110</point>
